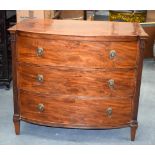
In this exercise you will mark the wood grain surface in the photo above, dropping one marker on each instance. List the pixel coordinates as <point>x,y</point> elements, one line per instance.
<point>81,28</point>
<point>85,82</point>
<point>77,53</point>
<point>75,111</point>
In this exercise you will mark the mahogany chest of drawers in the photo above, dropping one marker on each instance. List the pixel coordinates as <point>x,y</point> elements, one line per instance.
<point>77,74</point>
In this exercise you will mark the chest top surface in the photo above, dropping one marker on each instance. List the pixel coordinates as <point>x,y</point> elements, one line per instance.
<point>80,28</point>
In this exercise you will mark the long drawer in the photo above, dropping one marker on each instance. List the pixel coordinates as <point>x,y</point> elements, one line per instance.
<point>77,53</point>
<point>81,82</point>
<point>75,112</point>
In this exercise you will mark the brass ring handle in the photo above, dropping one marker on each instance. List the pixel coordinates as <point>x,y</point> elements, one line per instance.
<point>40,107</point>
<point>109,112</point>
<point>111,83</point>
<point>112,54</point>
<point>39,51</point>
<point>40,78</point>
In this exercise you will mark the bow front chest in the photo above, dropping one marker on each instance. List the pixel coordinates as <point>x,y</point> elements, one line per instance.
<point>77,74</point>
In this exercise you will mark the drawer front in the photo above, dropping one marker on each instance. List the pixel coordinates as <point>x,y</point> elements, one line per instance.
<point>79,82</point>
<point>77,53</point>
<point>75,112</point>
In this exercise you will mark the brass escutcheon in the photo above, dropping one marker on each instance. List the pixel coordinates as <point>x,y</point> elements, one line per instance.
<point>109,112</point>
<point>112,54</point>
<point>40,78</point>
<point>111,83</point>
<point>39,51</point>
<point>40,107</point>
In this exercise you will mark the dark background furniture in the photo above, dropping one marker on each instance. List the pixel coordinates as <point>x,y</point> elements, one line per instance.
<point>7,19</point>
<point>150,30</point>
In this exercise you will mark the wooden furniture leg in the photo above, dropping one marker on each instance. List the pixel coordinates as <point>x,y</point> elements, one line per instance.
<point>16,125</point>
<point>133,131</point>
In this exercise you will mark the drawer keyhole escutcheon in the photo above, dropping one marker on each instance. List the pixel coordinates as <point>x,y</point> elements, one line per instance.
<point>109,112</point>
<point>112,54</point>
<point>111,83</point>
<point>40,107</point>
<point>40,78</point>
<point>40,51</point>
